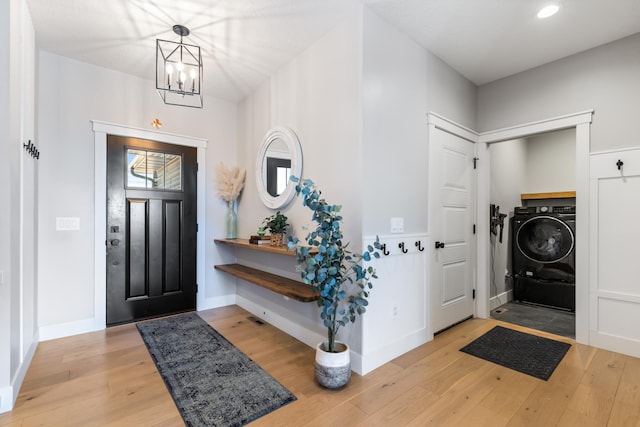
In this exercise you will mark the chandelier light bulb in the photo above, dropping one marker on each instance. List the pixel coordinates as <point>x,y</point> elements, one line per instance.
<point>193,80</point>
<point>169,72</point>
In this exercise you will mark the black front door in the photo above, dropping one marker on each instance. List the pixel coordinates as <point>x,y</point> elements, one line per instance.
<point>151,229</point>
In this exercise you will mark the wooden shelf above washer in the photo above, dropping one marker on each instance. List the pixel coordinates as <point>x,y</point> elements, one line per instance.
<point>552,195</point>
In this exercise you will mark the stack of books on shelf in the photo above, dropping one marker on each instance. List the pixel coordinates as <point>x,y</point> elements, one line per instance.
<point>259,240</point>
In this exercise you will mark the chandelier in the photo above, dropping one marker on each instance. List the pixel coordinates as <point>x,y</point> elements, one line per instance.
<point>179,71</point>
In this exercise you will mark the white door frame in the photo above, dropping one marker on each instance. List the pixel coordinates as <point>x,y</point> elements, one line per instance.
<point>101,130</point>
<point>581,122</point>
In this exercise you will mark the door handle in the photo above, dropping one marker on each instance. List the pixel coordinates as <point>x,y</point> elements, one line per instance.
<point>439,245</point>
<point>115,242</point>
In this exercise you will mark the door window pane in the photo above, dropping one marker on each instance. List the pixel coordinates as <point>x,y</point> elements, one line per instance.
<point>172,172</point>
<point>137,168</point>
<point>153,170</point>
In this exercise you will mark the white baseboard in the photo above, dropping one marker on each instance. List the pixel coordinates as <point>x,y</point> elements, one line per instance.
<point>68,329</point>
<point>6,399</point>
<point>9,394</point>
<point>628,346</point>
<point>498,300</point>
<point>359,364</point>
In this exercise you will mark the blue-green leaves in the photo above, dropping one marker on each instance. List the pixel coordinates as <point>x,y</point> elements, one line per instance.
<point>327,265</point>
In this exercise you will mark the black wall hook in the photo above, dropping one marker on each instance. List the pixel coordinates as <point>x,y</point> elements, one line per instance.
<point>31,149</point>
<point>419,246</point>
<point>619,164</point>
<point>383,247</point>
<point>401,246</point>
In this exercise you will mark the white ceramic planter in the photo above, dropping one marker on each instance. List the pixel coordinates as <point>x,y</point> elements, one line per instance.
<point>333,370</point>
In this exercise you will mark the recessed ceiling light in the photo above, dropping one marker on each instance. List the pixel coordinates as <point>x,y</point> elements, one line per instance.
<point>548,11</point>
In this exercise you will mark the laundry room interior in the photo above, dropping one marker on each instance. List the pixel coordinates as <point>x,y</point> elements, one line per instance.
<point>532,241</point>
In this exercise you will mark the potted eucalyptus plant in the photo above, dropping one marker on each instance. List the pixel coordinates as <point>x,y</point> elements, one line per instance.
<point>337,275</point>
<point>277,226</point>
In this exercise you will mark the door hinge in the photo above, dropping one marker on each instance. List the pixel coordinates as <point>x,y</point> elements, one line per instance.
<point>475,162</point>
<point>196,288</point>
<point>473,294</point>
<point>197,227</point>
<point>474,229</point>
<point>197,167</point>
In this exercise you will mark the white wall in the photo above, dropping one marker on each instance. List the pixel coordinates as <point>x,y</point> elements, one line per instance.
<point>318,95</point>
<point>551,162</point>
<point>7,176</point>
<point>18,336</point>
<point>71,94</point>
<point>604,79</point>
<point>402,83</point>
<point>358,100</point>
<point>508,178</point>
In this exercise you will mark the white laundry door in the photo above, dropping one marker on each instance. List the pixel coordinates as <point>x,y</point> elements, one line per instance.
<point>451,198</point>
<point>614,291</point>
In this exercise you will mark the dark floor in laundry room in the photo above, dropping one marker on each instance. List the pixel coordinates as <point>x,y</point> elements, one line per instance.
<point>555,321</point>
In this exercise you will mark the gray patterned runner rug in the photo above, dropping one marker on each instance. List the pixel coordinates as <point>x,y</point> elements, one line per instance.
<point>211,381</point>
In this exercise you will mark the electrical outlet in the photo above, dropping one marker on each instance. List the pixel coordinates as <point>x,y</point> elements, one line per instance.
<point>395,311</point>
<point>397,225</point>
<point>1,277</point>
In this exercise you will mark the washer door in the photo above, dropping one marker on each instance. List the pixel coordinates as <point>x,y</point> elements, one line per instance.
<point>545,239</point>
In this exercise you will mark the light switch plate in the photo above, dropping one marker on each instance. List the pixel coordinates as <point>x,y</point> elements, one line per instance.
<point>67,223</point>
<point>397,225</point>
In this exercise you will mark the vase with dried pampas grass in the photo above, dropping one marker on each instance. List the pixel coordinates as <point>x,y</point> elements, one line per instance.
<point>230,185</point>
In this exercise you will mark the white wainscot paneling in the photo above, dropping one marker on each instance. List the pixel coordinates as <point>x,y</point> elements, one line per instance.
<point>614,290</point>
<point>615,320</point>
<point>396,320</point>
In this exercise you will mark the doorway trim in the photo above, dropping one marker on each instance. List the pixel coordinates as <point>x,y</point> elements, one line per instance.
<point>101,130</point>
<point>581,122</point>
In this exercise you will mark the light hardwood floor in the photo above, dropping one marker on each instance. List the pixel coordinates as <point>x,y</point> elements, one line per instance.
<point>107,378</point>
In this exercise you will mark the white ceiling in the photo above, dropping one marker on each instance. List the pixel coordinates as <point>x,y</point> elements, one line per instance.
<point>244,41</point>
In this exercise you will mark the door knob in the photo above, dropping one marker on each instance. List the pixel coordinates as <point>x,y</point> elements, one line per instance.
<point>115,242</point>
<point>439,245</point>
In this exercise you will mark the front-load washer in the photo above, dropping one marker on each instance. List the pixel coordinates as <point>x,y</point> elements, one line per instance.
<point>543,257</point>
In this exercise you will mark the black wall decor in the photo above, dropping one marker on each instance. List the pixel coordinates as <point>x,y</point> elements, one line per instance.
<point>31,149</point>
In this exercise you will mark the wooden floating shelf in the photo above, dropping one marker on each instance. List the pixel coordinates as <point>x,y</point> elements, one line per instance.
<point>264,247</point>
<point>278,284</point>
<point>553,195</point>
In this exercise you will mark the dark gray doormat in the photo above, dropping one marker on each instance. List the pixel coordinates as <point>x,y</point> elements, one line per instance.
<point>526,353</point>
<point>211,381</point>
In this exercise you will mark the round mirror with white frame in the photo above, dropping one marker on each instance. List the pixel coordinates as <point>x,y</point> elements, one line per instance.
<point>280,157</point>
